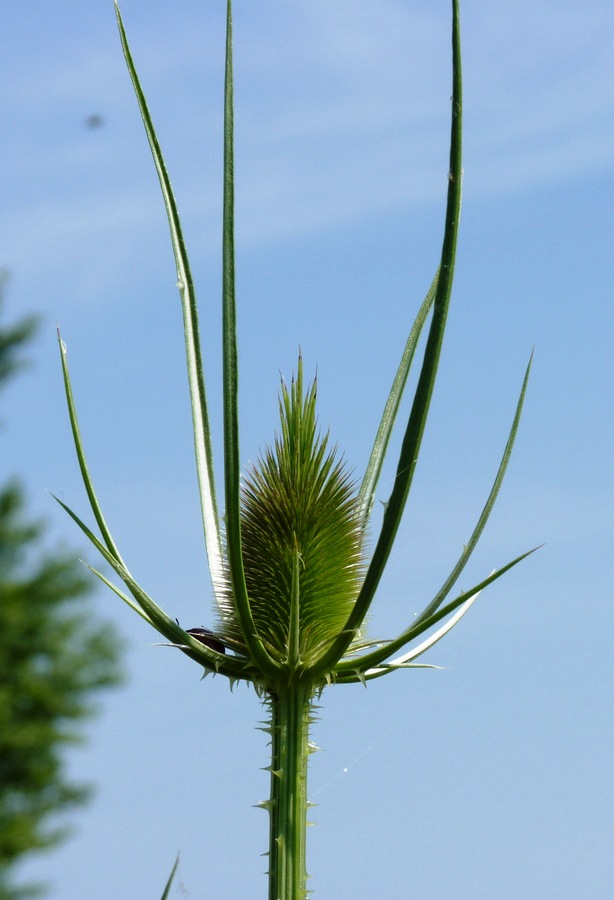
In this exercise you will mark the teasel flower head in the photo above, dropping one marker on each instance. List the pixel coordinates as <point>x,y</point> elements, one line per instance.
<point>301,539</point>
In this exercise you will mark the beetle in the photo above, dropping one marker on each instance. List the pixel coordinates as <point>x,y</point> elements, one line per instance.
<point>207,637</point>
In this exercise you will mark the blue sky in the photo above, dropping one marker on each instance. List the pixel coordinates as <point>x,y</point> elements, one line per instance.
<point>492,777</point>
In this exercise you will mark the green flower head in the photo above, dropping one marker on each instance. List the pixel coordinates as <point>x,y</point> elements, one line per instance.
<point>301,537</point>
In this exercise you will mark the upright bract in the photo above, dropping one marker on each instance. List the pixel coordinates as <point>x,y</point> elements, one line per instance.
<point>290,574</point>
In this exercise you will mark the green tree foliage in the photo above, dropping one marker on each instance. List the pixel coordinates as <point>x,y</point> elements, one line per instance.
<point>53,657</point>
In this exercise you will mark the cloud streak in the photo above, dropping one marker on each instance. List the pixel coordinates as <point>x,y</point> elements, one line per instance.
<point>342,114</point>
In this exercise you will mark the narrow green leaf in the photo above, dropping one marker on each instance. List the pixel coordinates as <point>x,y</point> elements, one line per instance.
<point>232,462</point>
<point>227,665</point>
<point>376,657</point>
<point>85,474</point>
<point>169,883</point>
<point>294,625</point>
<point>408,658</point>
<point>127,600</point>
<point>417,419</point>
<point>200,416</point>
<point>385,669</point>
<point>366,494</point>
<point>485,514</point>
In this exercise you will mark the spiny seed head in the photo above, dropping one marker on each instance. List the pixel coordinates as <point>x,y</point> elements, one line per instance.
<point>300,536</point>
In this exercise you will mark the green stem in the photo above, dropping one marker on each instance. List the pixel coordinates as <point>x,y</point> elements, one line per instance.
<point>290,718</point>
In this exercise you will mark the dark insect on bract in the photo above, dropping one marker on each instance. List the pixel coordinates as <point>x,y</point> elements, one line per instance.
<point>206,637</point>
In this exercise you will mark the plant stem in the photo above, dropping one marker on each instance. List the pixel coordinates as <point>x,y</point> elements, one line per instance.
<point>290,719</point>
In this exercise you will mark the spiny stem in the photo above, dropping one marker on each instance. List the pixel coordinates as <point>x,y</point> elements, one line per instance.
<point>290,718</point>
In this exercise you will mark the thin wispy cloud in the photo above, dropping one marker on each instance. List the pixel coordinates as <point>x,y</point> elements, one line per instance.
<point>342,113</point>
